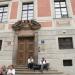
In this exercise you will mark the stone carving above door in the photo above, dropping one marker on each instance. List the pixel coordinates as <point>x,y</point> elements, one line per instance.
<point>26,25</point>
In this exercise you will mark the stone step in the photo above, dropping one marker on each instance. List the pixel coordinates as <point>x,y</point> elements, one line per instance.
<point>27,70</point>
<point>35,70</point>
<point>32,72</point>
<point>21,67</point>
<point>24,69</point>
<point>39,73</point>
<point>21,70</point>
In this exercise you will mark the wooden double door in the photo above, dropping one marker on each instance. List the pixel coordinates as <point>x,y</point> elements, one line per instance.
<point>26,49</point>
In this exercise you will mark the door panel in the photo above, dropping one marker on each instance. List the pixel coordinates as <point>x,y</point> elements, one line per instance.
<point>25,49</point>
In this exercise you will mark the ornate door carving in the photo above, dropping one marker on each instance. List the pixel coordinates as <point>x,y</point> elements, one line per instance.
<point>25,49</point>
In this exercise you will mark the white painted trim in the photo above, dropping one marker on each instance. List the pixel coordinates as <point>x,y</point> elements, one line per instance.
<point>69,8</point>
<point>19,10</point>
<point>14,0</point>
<point>3,3</point>
<point>26,0</point>
<point>43,18</point>
<point>52,8</point>
<point>35,9</point>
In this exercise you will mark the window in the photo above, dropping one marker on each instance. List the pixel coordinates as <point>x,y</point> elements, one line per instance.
<point>27,11</point>
<point>0,44</point>
<point>67,62</point>
<point>3,13</point>
<point>65,43</point>
<point>60,9</point>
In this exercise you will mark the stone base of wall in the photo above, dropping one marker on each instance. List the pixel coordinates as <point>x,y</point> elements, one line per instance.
<point>7,49</point>
<point>50,49</point>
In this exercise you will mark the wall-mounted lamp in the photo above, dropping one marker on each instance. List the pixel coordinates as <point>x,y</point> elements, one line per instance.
<point>42,41</point>
<point>8,43</point>
<point>64,31</point>
<point>38,49</point>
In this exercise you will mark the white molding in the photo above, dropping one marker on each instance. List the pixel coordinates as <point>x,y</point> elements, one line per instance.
<point>35,9</point>
<point>5,2</point>
<point>26,0</point>
<point>19,12</point>
<point>69,8</point>
<point>52,8</point>
<point>14,0</point>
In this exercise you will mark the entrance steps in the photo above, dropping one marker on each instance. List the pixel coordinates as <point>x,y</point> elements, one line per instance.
<point>21,70</point>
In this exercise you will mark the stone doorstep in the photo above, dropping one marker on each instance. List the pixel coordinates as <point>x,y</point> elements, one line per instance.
<point>21,70</point>
<point>38,72</point>
<point>41,74</point>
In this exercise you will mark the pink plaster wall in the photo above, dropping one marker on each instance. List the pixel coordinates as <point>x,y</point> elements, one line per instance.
<point>46,24</point>
<point>14,9</point>
<point>73,6</point>
<point>44,8</point>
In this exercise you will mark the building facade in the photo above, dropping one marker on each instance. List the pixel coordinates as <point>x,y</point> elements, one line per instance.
<point>54,39</point>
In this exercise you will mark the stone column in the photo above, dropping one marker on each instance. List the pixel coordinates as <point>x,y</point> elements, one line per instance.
<point>15,47</point>
<point>36,46</point>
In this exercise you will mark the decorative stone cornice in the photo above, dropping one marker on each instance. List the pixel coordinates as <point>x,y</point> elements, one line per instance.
<point>26,25</point>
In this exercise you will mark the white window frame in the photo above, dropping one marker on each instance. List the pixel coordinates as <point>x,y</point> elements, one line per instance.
<point>61,13</point>
<point>27,10</point>
<point>8,14</point>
